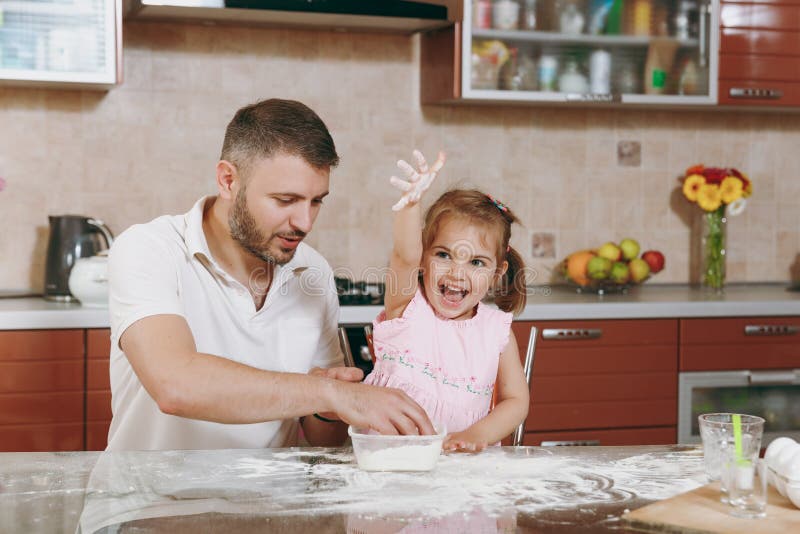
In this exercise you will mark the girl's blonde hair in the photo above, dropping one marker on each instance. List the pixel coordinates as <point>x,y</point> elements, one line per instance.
<point>480,209</point>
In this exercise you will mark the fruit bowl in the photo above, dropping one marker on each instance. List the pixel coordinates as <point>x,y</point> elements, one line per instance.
<point>610,268</point>
<point>601,287</point>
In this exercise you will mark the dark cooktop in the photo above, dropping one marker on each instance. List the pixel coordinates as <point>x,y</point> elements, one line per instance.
<point>359,293</point>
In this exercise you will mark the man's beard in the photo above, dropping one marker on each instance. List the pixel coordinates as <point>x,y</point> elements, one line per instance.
<point>245,232</point>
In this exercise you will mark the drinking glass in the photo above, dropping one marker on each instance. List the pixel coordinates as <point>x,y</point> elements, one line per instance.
<point>716,431</point>
<point>747,486</point>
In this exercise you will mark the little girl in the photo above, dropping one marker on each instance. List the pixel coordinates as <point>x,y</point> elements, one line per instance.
<point>435,339</point>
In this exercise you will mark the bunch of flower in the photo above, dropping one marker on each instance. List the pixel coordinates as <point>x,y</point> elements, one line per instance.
<point>711,187</point>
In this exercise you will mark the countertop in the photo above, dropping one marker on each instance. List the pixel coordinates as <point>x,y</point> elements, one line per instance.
<point>524,489</point>
<point>544,303</point>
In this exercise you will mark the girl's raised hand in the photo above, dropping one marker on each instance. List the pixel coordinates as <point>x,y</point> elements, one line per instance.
<point>417,180</point>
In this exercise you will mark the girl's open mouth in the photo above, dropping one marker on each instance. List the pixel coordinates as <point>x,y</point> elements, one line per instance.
<point>452,295</point>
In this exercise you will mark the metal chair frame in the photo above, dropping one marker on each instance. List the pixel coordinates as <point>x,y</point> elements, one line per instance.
<point>344,343</point>
<point>527,367</point>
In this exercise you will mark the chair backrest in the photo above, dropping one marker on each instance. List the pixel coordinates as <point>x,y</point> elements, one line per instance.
<point>344,343</point>
<point>368,335</point>
<point>527,367</point>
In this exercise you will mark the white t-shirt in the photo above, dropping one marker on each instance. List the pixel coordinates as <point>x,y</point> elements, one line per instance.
<point>165,267</point>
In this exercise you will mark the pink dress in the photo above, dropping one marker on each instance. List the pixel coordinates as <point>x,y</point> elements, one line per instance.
<point>449,367</point>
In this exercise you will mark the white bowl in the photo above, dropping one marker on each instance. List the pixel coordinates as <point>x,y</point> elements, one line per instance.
<point>376,452</point>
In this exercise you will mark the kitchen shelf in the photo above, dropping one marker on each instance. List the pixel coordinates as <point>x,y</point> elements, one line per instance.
<point>548,37</point>
<point>654,66</point>
<point>71,10</point>
<point>61,43</point>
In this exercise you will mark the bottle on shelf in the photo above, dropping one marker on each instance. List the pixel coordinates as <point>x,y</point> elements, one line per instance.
<point>482,14</point>
<point>510,77</point>
<point>528,15</point>
<point>598,15</point>
<point>600,72</point>
<point>548,72</point>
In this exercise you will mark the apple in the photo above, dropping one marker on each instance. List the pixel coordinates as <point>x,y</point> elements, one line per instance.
<point>639,269</point>
<point>620,272</point>
<point>598,268</point>
<point>609,251</point>
<point>630,248</point>
<point>655,260</point>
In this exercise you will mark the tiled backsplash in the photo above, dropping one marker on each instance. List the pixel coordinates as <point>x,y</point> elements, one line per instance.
<point>576,177</point>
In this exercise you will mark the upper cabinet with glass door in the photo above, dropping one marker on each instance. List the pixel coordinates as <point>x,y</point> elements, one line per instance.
<point>647,52</point>
<point>63,43</point>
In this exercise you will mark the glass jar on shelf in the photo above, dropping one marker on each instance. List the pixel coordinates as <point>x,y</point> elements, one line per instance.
<point>572,80</point>
<point>505,14</point>
<point>571,16</point>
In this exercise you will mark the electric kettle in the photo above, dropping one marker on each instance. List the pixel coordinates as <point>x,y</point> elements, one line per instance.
<point>71,237</point>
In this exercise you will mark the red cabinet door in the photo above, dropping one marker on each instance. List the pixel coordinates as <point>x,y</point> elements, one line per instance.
<point>760,53</point>
<point>98,388</point>
<point>595,375</point>
<point>740,343</point>
<point>41,390</point>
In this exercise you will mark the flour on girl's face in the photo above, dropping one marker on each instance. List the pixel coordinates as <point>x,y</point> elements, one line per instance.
<point>492,481</point>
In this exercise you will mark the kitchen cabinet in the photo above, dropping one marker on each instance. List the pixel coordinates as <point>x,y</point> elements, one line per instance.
<point>603,382</point>
<point>641,52</point>
<point>98,388</point>
<point>739,343</point>
<point>63,43</point>
<point>760,53</point>
<point>41,390</point>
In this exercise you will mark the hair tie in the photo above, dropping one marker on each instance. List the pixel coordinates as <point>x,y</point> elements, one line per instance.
<point>508,249</point>
<point>499,205</point>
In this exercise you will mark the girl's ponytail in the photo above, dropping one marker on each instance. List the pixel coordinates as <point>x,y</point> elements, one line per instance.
<point>512,293</point>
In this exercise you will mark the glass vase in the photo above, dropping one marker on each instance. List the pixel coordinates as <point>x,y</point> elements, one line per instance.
<point>712,273</point>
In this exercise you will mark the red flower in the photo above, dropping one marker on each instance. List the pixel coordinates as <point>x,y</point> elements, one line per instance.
<point>714,175</point>
<point>697,169</point>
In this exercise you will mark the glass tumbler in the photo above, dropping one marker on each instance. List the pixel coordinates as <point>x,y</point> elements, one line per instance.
<point>716,431</point>
<point>747,486</point>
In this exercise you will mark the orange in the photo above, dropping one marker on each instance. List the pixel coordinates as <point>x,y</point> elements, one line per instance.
<point>576,266</point>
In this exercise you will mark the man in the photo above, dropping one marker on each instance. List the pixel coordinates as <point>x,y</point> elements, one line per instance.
<point>222,318</point>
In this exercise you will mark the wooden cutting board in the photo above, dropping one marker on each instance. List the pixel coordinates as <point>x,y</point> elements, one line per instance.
<point>699,511</point>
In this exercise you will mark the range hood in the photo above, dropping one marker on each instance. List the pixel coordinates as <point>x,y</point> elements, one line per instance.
<point>357,15</point>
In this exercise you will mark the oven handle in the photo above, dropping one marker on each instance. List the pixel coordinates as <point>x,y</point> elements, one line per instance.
<point>785,377</point>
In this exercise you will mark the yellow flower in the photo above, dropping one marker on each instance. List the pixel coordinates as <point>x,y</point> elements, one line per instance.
<point>709,197</point>
<point>692,185</point>
<point>731,189</point>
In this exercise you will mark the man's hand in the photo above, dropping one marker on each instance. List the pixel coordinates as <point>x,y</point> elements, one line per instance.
<point>347,374</point>
<point>385,410</point>
<point>417,181</point>
<point>463,442</point>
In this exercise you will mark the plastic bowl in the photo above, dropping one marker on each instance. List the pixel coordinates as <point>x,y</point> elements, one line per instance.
<point>376,452</point>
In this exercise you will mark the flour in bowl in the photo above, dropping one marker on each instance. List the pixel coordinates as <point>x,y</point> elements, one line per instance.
<point>405,458</point>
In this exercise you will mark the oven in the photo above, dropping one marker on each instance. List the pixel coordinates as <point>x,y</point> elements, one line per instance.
<point>773,395</point>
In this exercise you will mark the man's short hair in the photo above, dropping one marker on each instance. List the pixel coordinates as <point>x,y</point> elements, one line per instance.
<point>275,126</point>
